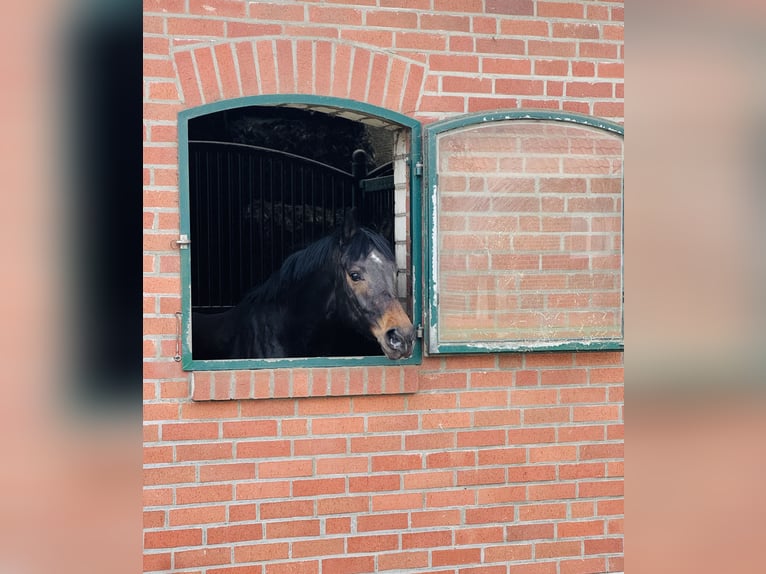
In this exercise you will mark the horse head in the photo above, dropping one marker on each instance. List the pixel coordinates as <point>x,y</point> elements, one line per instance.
<point>368,290</point>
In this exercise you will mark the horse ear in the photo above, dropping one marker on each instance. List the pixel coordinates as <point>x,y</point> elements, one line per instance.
<point>350,225</point>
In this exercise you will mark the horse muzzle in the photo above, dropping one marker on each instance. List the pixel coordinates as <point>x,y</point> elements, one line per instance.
<point>398,342</point>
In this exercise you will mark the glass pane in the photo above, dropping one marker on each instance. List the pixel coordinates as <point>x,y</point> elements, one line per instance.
<point>529,232</point>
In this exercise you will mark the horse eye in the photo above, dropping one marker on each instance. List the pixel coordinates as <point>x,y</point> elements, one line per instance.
<point>355,276</point>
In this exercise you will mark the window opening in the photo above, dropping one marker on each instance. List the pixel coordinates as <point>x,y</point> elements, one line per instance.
<point>267,183</point>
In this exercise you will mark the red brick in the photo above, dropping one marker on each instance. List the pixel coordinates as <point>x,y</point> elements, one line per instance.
<point>584,509</point>
<point>319,486</point>
<point>153,562</point>
<point>419,41</point>
<point>262,449</point>
<point>501,494</point>
<point>564,377</point>
<point>284,469</point>
<point>204,451</point>
<point>610,507</point>
<point>250,569</point>
<point>560,9</point>
<point>383,502</point>
<point>530,532</point>
<point>500,456</point>
<point>375,543</point>
<point>197,515</point>
<point>242,512</point>
<point>508,553</point>
<point>601,488</point>
<point>435,518</point>
<point>340,525</point>
<point>293,567</point>
<point>403,561</point>
<point>378,521</point>
<point>536,568</point>
<point>429,539</point>
<point>339,425</point>
<point>342,465</point>
<point>173,538</point>
<point>292,529</point>
<point>315,446</point>
<point>373,483</point>
<point>261,552</point>
<point>580,529</point>
<point>489,514</point>
<point>551,491</point>
<point>551,48</point>
<point>189,431</point>
<point>531,473</point>
<point>275,11</point>
<point>391,19</point>
<point>285,509</point>
<point>343,505</point>
<point>202,494</point>
<point>583,566</point>
<point>481,438</point>
<point>480,535</point>
<point>546,415</point>
<point>558,549</point>
<point>542,511</point>
<point>480,476</point>
<point>234,533</point>
<point>350,565</point>
<point>455,556</point>
<point>376,443</point>
<point>398,422</point>
<point>317,547</point>
<point>334,15</point>
<point>157,454</point>
<point>430,441</point>
<point>154,519</point>
<point>599,451</point>
<point>581,470</point>
<point>451,459</point>
<point>169,475</point>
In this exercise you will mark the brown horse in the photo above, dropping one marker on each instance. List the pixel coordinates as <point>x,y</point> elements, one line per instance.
<point>319,303</point>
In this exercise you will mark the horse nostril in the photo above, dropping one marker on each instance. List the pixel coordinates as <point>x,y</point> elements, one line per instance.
<point>394,339</point>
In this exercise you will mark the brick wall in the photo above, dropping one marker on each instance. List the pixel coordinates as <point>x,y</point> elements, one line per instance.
<point>481,463</point>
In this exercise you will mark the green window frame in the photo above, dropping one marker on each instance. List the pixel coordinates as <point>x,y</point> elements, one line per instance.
<point>347,108</point>
<point>439,336</point>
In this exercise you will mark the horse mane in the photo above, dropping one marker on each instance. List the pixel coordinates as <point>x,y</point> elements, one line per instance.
<point>314,256</point>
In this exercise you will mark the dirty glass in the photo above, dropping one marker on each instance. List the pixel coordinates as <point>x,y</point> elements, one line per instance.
<point>528,234</point>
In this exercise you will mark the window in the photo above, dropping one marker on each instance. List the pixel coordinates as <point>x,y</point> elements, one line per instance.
<point>263,178</point>
<point>525,233</point>
<point>522,244</point>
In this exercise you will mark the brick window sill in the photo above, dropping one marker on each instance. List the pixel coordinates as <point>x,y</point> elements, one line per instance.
<point>303,382</point>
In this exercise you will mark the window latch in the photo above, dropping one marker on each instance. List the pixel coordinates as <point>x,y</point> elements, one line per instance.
<point>183,241</point>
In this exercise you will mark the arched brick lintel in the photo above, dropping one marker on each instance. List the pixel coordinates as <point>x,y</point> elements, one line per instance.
<point>266,66</point>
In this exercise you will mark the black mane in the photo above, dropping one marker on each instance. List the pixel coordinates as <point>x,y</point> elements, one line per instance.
<point>293,271</point>
<point>318,255</point>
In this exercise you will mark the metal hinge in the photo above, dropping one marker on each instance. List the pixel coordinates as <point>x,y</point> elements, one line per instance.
<point>183,241</point>
<point>419,168</point>
<point>419,331</point>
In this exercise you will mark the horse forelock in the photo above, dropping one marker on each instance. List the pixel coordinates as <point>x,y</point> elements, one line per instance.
<point>365,241</point>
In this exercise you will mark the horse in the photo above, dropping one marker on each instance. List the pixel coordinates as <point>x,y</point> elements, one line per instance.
<point>331,298</point>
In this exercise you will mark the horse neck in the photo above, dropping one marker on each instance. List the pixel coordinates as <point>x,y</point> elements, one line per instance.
<point>307,278</point>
